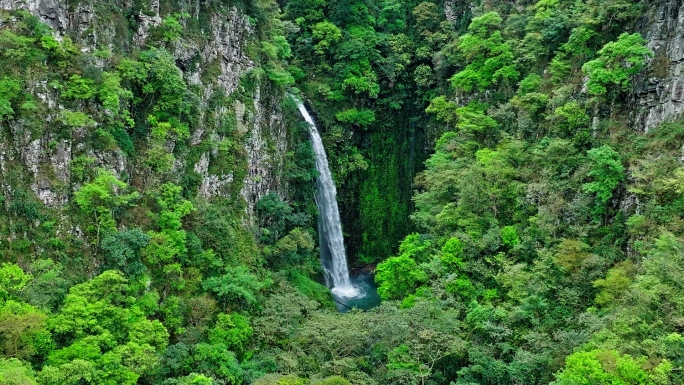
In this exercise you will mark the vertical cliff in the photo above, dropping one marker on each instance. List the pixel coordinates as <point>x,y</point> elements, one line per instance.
<point>238,136</point>
<point>659,93</point>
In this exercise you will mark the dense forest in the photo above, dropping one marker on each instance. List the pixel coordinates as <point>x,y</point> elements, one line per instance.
<point>512,172</point>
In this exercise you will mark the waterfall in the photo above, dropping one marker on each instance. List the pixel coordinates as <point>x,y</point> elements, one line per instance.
<point>333,255</point>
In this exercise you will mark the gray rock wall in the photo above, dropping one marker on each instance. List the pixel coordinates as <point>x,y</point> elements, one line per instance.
<point>261,122</point>
<point>659,91</point>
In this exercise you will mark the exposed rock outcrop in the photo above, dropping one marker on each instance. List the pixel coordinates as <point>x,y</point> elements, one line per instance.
<point>213,63</point>
<point>659,92</point>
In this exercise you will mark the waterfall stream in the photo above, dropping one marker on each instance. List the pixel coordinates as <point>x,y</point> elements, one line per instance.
<point>333,255</point>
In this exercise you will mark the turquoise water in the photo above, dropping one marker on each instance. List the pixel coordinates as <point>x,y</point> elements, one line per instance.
<point>368,297</point>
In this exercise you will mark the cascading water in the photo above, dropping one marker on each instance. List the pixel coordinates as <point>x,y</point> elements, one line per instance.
<point>333,255</point>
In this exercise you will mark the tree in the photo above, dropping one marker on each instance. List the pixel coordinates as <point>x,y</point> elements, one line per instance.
<point>294,249</point>
<point>164,86</point>
<point>123,250</point>
<point>416,247</point>
<point>445,110</point>
<point>569,118</point>
<point>232,330</point>
<point>47,288</point>
<point>275,215</point>
<point>398,277</point>
<point>306,12</point>
<point>279,379</point>
<point>103,335</point>
<point>79,88</point>
<point>452,254</point>
<point>617,281</point>
<point>73,373</point>
<point>158,158</point>
<point>191,379</point>
<point>427,17</point>
<point>334,380</point>
<point>473,121</point>
<point>13,280</point>
<point>607,172</point>
<point>488,58</point>
<point>22,326</point>
<point>571,254</point>
<point>617,62</point>
<point>111,93</point>
<point>327,35</point>
<point>168,247</point>
<point>217,361</point>
<point>99,198</point>
<point>509,236</point>
<point>96,307</point>
<point>362,117</point>
<point>610,367</point>
<point>237,286</point>
<point>15,372</point>
<point>9,91</point>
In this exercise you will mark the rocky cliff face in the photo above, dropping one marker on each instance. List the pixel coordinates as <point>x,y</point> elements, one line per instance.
<point>659,93</point>
<point>212,64</point>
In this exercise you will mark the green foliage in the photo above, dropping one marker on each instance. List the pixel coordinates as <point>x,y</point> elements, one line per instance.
<point>616,63</point>
<point>309,11</point>
<point>279,76</point>
<point>9,92</point>
<point>23,330</point>
<point>48,285</point>
<point>101,330</point>
<point>489,59</point>
<point>569,118</point>
<point>232,330</point>
<point>310,288</point>
<point>443,109</point>
<point>132,70</point>
<point>515,262</point>
<point>171,29</point>
<point>111,93</point>
<point>415,247</point>
<point>327,34</point>
<point>610,367</point>
<point>452,254</point>
<point>276,214</point>
<point>335,380</point>
<point>158,158</point>
<point>277,379</point>
<point>167,248</point>
<point>571,255</point>
<point>76,119</point>
<point>617,281</point>
<point>122,251</point>
<point>98,200</point>
<point>237,287</point>
<point>356,117</point>
<point>293,249</point>
<point>398,277</point>
<point>607,172</point>
<point>79,88</point>
<point>164,86</point>
<point>13,280</point>
<point>472,120</point>
<point>509,236</point>
<point>15,372</point>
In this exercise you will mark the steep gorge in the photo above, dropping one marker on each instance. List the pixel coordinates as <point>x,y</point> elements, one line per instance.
<point>513,169</point>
